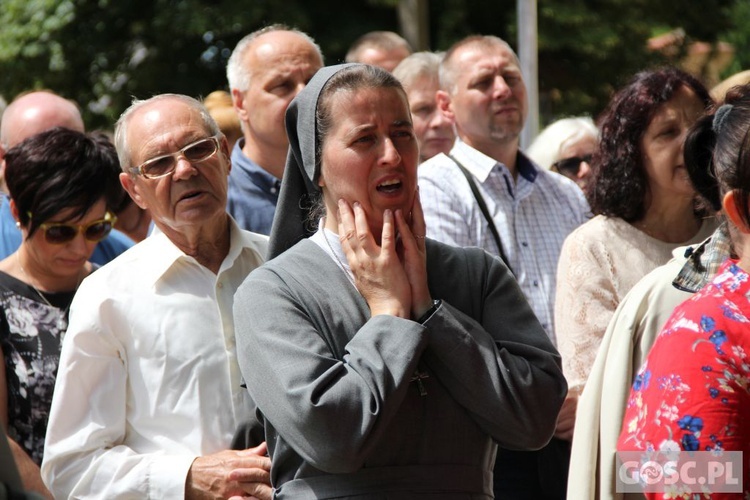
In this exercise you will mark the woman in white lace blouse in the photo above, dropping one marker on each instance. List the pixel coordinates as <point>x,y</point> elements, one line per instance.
<point>644,207</point>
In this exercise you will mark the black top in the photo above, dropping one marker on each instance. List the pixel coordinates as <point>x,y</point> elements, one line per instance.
<point>31,334</point>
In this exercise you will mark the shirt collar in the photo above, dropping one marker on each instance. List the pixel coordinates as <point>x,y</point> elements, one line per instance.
<point>526,167</point>
<point>165,255</point>
<point>704,260</point>
<point>260,176</point>
<point>480,165</point>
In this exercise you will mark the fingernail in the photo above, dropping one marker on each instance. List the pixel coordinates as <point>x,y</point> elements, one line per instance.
<point>356,204</point>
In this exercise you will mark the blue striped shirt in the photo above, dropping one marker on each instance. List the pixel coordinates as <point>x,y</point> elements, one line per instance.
<point>533,215</point>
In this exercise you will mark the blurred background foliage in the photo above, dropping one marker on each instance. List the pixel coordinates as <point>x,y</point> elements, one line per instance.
<point>102,53</point>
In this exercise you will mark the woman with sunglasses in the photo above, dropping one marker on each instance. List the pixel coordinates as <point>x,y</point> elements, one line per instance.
<point>644,207</point>
<point>61,185</point>
<point>566,147</point>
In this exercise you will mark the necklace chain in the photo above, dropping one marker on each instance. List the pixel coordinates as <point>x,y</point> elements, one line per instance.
<point>38,292</point>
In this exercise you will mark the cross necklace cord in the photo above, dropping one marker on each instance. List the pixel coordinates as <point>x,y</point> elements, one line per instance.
<point>61,321</point>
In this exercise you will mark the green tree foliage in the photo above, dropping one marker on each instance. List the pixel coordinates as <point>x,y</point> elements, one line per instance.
<point>738,35</point>
<point>589,48</point>
<point>101,53</point>
<point>586,49</point>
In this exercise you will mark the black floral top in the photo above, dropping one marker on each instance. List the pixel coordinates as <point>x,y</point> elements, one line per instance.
<point>31,335</point>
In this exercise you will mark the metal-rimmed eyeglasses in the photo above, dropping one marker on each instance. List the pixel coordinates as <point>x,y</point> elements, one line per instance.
<point>195,152</point>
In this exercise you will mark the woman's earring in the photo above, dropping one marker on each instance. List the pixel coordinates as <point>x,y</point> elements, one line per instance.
<point>18,224</point>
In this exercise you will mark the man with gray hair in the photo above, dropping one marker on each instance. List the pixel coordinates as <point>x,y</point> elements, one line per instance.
<point>148,393</point>
<point>419,74</point>
<point>266,70</point>
<point>487,193</point>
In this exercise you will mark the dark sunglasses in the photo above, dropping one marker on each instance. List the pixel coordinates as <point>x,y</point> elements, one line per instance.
<point>58,233</point>
<point>571,166</point>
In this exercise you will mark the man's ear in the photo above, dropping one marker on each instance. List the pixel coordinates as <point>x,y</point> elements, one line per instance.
<point>731,209</point>
<point>129,185</point>
<point>445,105</point>
<point>224,150</point>
<point>238,100</point>
<point>3,186</point>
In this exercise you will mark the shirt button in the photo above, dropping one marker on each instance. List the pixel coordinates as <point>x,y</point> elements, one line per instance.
<point>220,285</point>
<point>524,244</point>
<point>536,283</point>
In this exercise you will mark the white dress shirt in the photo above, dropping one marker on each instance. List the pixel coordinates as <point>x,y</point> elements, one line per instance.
<point>148,376</point>
<point>532,214</point>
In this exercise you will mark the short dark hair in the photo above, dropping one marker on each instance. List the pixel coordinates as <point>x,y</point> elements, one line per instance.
<point>719,145</point>
<point>619,182</point>
<point>60,169</point>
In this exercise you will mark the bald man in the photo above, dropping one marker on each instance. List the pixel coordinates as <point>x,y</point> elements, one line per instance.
<point>266,70</point>
<point>33,113</point>
<point>26,116</point>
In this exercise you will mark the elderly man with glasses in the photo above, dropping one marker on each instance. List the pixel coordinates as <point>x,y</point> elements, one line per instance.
<point>149,393</point>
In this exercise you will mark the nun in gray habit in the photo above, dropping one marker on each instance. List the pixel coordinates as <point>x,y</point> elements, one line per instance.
<point>365,406</point>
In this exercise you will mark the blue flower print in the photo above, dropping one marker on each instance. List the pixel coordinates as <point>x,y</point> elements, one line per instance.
<point>733,314</point>
<point>738,278</point>
<point>718,338</point>
<point>713,392</point>
<point>689,442</point>
<point>706,368</point>
<point>642,380</point>
<point>707,323</point>
<point>690,423</point>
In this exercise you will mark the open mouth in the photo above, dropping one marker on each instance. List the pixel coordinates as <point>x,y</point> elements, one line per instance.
<point>389,186</point>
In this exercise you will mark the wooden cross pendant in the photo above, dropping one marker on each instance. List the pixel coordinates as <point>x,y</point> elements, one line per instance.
<point>418,377</point>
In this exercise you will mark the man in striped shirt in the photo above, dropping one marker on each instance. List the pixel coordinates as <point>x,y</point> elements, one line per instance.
<point>531,209</point>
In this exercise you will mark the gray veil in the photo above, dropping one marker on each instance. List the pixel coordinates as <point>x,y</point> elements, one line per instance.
<point>299,184</point>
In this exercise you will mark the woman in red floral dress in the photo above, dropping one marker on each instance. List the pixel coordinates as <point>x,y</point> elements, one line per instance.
<point>693,391</point>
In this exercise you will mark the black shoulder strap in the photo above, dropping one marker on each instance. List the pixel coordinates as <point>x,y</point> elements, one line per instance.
<point>483,207</point>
